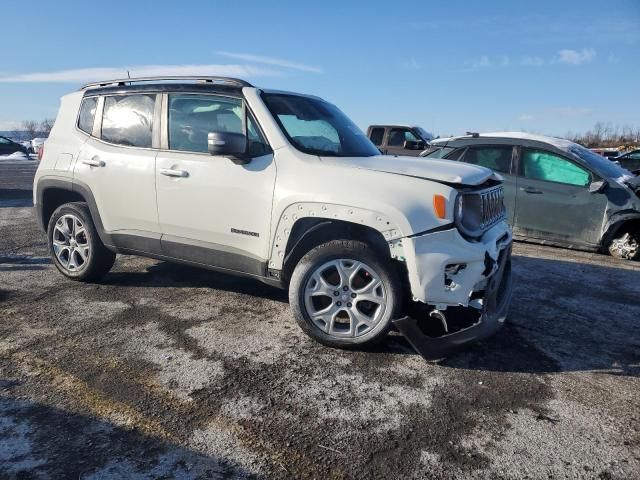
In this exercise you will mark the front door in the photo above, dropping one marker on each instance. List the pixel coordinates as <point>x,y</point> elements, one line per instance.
<point>553,200</point>
<point>213,211</point>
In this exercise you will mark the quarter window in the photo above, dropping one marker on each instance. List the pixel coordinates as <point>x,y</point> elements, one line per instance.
<point>87,114</point>
<point>128,120</point>
<point>495,158</point>
<point>541,165</point>
<point>377,134</point>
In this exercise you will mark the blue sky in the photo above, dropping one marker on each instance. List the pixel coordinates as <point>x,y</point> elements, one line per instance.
<point>449,66</point>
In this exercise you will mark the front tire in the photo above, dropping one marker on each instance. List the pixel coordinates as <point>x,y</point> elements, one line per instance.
<point>74,244</point>
<point>344,295</point>
<point>626,245</point>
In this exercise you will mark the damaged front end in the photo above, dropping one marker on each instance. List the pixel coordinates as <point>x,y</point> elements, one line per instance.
<point>435,335</point>
<point>460,278</point>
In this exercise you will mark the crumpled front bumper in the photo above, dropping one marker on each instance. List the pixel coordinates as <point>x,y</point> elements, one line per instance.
<point>484,284</point>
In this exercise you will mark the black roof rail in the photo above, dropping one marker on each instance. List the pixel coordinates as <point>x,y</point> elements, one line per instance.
<point>123,81</point>
<point>473,134</point>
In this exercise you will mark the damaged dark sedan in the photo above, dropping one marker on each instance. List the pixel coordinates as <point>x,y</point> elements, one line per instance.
<point>556,191</point>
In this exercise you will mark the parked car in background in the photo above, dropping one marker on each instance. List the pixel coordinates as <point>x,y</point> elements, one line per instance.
<point>556,191</point>
<point>36,144</point>
<point>184,169</point>
<point>630,161</point>
<point>606,152</point>
<point>27,144</point>
<point>7,147</point>
<point>399,139</point>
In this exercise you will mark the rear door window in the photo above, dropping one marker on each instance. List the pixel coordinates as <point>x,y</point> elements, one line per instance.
<point>542,165</point>
<point>87,114</point>
<point>496,158</point>
<point>377,134</point>
<point>128,120</point>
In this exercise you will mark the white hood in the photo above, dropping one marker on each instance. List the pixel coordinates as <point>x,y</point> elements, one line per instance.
<point>445,171</point>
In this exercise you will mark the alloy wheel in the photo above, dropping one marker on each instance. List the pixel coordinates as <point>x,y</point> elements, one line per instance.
<point>70,242</point>
<point>345,298</point>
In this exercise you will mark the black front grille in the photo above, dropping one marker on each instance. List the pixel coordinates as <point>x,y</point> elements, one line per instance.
<point>492,205</point>
<point>479,210</point>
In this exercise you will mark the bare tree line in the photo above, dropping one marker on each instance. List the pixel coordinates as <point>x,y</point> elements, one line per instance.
<point>31,129</point>
<point>607,135</point>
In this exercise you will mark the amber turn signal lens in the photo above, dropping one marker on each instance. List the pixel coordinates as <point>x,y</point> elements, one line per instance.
<point>440,206</point>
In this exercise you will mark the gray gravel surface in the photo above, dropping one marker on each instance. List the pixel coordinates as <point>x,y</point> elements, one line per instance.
<point>164,371</point>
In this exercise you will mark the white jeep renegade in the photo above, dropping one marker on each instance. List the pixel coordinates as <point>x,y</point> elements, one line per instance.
<point>281,187</point>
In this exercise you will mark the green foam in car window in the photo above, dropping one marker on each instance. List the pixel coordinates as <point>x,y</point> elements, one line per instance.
<point>552,168</point>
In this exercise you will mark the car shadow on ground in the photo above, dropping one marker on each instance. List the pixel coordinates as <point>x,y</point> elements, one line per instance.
<point>31,447</point>
<point>174,275</point>
<point>11,197</point>
<point>12,263</point>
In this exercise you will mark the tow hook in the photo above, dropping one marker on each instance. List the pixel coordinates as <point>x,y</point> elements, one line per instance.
<point>437,314</point>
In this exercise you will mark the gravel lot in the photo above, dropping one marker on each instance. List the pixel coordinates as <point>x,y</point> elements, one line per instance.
<point>164,371</point>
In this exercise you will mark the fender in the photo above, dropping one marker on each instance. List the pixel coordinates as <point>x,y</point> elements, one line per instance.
<point>71,185</point>
<point>614,223</point>
<point>326,211</point>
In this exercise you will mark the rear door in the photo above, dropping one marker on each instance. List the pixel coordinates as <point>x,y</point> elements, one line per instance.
<point>499,158</point>
<point>117,163</point>
<point>553,200</point>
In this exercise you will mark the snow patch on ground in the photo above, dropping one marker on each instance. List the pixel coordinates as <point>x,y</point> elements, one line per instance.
<point>17,156</point>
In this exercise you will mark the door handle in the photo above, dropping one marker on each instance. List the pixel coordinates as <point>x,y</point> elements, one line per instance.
<point>174,173</point>
<point>94,162</point>
<point>530,190</point>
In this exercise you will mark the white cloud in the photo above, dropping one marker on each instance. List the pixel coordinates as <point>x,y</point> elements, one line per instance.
<point>556,112</point>
<point>80,75</point>
<point>570,112</point>
<point>532,61</point>
<point>411,64</point>
<point>481,62</point>
<point>278,62</point>
<point>575,57</point>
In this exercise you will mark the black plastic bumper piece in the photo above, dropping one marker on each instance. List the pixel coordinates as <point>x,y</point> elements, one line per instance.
<point>497,299</point>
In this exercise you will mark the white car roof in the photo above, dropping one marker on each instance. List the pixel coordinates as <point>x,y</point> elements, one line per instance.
<point>560,143</point>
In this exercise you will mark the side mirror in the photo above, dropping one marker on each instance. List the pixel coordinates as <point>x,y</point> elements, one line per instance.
<point>228,144</point>
<point>414,145</point>
<point>598,186</point>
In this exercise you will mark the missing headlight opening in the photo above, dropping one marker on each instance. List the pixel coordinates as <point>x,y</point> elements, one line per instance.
<point>450,271</point>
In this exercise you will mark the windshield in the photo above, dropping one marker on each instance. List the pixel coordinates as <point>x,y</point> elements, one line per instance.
<point>318,128</point>
<point>603,165</point>
<point>426,136</point>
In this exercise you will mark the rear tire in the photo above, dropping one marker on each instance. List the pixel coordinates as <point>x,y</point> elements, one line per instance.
<point>74,244</point>
<point>626,245</point>
<point>344,295</point>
